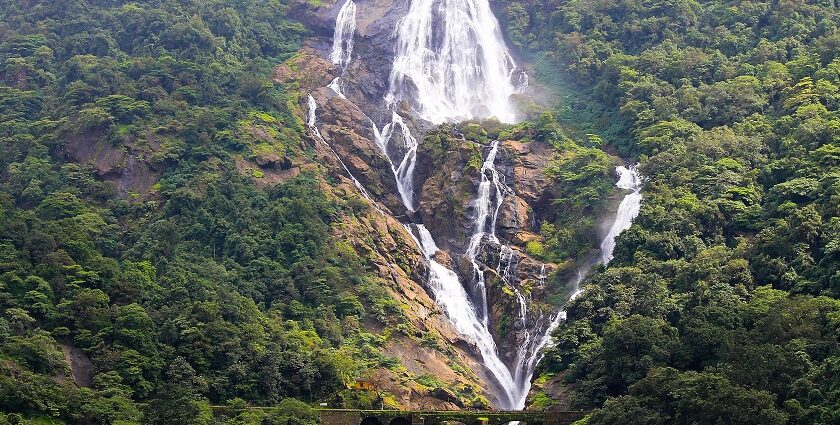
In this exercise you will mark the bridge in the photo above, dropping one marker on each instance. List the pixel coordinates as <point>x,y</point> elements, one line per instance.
<point>396,417</point>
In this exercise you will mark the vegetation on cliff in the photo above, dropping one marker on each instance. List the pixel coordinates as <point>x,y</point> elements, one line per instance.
<point>166,243</point>
<point>722,301</point>
<point>128,233</point>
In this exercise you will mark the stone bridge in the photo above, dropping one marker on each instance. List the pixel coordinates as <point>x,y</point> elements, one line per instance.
<point>396,417</point>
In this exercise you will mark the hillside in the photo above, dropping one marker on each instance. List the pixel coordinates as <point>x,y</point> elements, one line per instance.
<point>260,203</point>
<point>721,302</point>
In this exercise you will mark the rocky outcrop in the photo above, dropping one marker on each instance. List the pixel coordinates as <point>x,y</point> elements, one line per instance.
<point>527,163</point>
<point>349,132</point>
<point>81,368</point>
<point>446,179</point>
<point>308,69</point>
<point>447,190</point>
<point>550,389</point>
<point>132,167</point>
<point>450,168</point>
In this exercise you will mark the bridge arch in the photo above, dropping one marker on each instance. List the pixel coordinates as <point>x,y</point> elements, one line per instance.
<point>371,420</point>
<point>400,420</point>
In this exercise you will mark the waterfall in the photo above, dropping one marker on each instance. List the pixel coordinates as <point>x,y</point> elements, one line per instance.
<point>491,193</point>
<point>628,209</point>
<point>336,86</point>
<point>342,49</point>
<point>406,153</point>
<point>451,62</point>
<point>529,351</point>
<point>449,293</point>
<point>345,27</point>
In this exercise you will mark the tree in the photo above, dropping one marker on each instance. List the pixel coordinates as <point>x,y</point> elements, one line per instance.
<point>178,398</point>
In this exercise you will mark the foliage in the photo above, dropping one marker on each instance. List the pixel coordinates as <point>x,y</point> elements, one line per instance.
<point>720,305</point>
<point>203,289</point>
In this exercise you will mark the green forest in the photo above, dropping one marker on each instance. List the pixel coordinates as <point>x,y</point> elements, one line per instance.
<point>211,290</point>
<point>205,291</point>
<point>722,304</point>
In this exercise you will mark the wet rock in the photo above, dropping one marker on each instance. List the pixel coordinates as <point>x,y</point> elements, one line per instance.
<point>529,180</point>
<point>514,216</point>
<point>349,133</point>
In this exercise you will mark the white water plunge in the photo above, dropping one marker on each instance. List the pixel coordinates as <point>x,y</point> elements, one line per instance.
<point>405,152</point>
<point>628,210</point>
<point>452,63</point>
<point>345,27</point>
<point>342,49</point>
<point>628,179</point>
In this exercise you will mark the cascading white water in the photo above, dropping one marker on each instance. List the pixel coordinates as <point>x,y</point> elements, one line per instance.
<point>342,49</point>
<point>313,127</point>
<point>524,82</point>
<point>404,172</point>
<point>628,209</point>
<point>451,62</point>
<point>450,294</point>
<point>345,28</point>
<point>491,193</point>
<point>336,86</point>
<point>506,265</point>
<point>341,54</point>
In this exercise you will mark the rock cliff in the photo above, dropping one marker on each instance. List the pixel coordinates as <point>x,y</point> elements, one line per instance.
<point>446,179</point>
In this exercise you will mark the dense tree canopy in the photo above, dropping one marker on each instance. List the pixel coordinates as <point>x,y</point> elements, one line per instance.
<point>722,301</point>
<point>185,284</point>
<point>207,288</point>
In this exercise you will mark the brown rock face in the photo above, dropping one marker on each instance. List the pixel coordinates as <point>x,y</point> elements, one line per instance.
<point>515,215</point>
<point>529,181</point>
<point>349,133</point>
<point>307,68</point>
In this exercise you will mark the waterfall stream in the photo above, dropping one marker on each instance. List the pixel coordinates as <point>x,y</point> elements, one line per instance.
<point>491,194</point>
<point>451,64</point>
<point>342,49</point>
<point>450,294</point>
<point>345,27</point>
<point>406,153</point>
<point>628,209</point>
